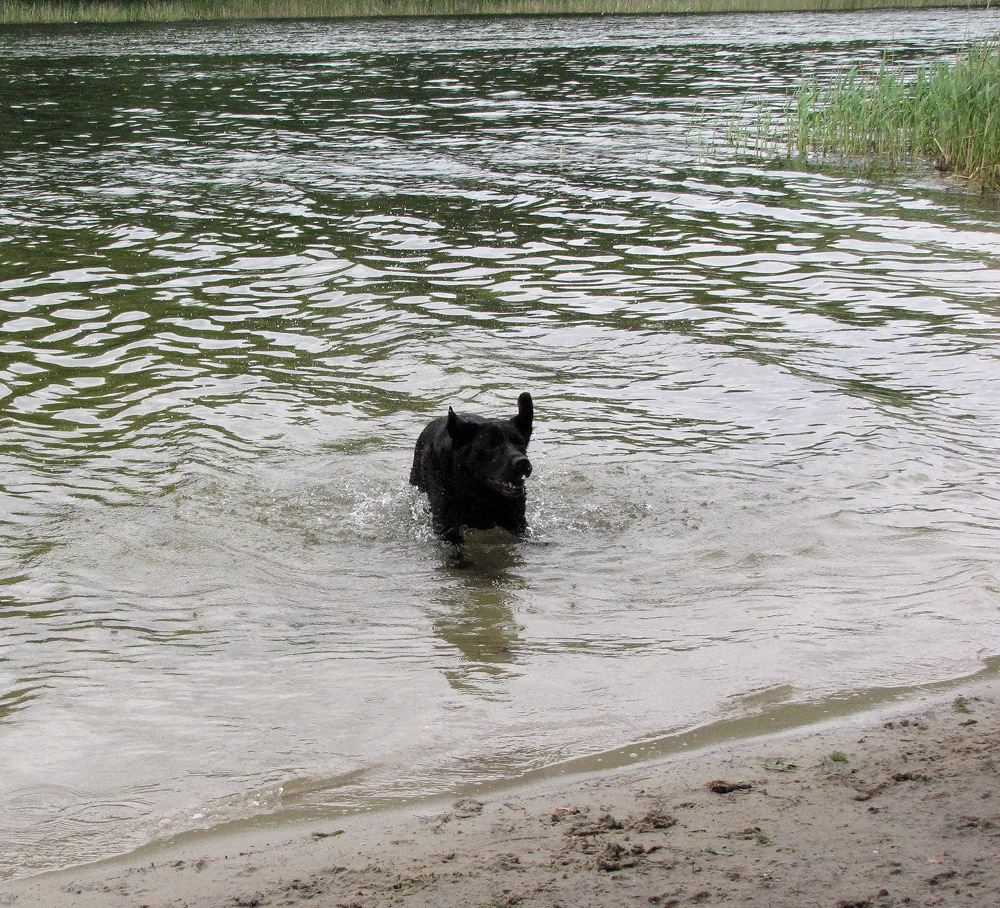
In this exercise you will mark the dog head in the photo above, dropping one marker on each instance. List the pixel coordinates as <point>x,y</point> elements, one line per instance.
<point>493,452</point>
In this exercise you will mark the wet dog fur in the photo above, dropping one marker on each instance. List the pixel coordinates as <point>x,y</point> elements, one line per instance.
<point>473,470</point>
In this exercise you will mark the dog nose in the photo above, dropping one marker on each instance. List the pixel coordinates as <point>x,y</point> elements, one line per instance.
<point>522,467</point>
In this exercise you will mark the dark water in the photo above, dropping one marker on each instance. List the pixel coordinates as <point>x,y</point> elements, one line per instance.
<point>242,265</point>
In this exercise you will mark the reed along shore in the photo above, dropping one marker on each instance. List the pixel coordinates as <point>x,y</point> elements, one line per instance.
<point>118,11</point>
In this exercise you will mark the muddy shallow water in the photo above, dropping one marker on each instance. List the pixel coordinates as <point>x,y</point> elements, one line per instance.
<point>243,265</point>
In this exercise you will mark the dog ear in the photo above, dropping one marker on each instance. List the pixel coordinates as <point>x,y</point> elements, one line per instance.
<point>525,414</point>
<point>460,430</point>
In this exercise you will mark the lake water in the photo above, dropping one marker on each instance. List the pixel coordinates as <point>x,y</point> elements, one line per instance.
<point>243,265</point>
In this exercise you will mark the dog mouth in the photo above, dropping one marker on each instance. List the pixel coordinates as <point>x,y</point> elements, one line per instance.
<point>512,489</point>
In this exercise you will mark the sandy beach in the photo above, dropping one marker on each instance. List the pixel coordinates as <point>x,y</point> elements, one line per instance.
<point>889,808</point>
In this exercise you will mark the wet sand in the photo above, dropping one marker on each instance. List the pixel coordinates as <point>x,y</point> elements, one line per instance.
<point>892,808</point>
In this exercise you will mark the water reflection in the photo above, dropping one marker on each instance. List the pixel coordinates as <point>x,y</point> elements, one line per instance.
<point>475,613</point>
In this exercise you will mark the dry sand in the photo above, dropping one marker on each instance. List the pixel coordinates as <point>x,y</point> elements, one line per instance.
<point>907,812</point>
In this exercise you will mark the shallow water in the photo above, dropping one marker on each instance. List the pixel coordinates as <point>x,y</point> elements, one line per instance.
<point>244,264</point>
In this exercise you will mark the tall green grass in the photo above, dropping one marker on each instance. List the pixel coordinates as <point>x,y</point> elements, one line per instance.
<point>948,113</point>
<point>106,11</point>
<point>22,12</point>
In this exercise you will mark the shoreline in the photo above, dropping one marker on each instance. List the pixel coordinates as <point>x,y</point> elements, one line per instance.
<point>892,807</point>
<point>77,12</point>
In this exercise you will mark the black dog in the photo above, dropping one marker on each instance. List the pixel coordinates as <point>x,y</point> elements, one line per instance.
<point>473,470</point>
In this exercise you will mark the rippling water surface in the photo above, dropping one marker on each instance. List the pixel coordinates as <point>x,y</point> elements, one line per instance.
<point>242,265</point>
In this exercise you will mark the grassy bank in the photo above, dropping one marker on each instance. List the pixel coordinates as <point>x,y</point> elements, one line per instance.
<point>67,11</point>
<point>948,113</point>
